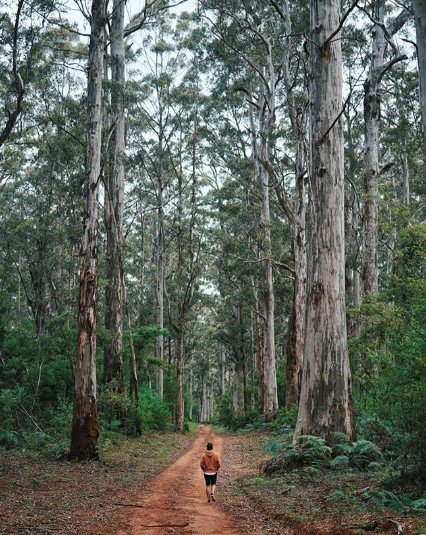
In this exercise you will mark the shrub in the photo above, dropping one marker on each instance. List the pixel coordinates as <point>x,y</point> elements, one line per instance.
<point>113,407</point>
<point>155,413</point>
<point>8,438</point>
<point>310,452</point>
<point>313,452</point>
<point>364,452</point>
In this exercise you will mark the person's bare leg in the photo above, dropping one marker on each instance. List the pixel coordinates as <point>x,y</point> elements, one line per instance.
<point>208,493</point>
<point>213,489</point>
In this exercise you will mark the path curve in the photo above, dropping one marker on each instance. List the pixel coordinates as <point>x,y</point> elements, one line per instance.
<point>175,501</point>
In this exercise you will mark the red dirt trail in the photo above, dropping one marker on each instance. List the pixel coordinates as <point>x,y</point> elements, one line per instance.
<point>175,501</point>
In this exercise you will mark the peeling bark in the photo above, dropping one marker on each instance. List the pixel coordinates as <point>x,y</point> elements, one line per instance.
<point>326,394</point>
<point>85,430</point>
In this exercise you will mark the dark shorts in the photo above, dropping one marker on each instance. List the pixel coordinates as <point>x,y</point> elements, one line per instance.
<point>210,480</point>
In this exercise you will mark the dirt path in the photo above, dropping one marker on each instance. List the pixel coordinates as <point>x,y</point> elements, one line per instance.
<point>175,501</point>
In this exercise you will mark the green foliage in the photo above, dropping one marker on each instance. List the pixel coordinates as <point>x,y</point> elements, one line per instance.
<point>310,452</point>
<point>385,498</point>
<point>154,412</point>
<point>9,399</point>
<point>341,462</point>
<point>113,407</point>
<point>36,440</point>
<point>343,449</point>
<point>285,419</point>
<point>118,412</point>
<point>391,349</point>
<point>227,417</point>
<point>375,466</point>
<point>273,445</point>
<point>313,452</point>
<point>144,338</point>
<point>419,505</point>
<point>364,452</point>
<point>9,438</point>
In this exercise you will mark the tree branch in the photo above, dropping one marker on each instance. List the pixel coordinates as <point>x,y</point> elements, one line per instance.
<point>342,21</point>
<point>281,195</point>
<point>389,65</point>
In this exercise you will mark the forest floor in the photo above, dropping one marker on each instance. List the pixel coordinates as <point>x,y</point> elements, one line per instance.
<point>153,485</point>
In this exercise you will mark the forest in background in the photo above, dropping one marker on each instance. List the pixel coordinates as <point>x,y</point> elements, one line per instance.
<point>189,152</point>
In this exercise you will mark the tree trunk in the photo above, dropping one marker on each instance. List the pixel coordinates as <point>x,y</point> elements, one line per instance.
<point>160,253</point>
<point>211,404</point>
<point>372,102</point>
<point>203,416</point>
<point>393,233</point>
<point>352,279</point>
<point>405,179</point>
<point>191,393</point>
<point>326,393</point>
<point>296,327</point>
<point>296,323</point>
<point>238,390</point>
<point>85,430</point>
<point>222,365</point>
<point>160,288</point>
<point>185,287</point>
<point>260,345</point>
<point>270,407</point>
<point>179,379</point>
<point>419,7</point>
<point>114,206</point>
<point>134,382</point>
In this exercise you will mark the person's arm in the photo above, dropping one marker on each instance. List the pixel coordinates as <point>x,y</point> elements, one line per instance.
<point>202,463</point>
<point>218,462</point>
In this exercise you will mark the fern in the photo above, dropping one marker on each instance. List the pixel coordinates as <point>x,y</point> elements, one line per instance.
<point>343,449</point>
<point>340,462</point>
<point>273,445</point>
<point>419,505</point>
<point>364,452</point>
<point>340,438</point>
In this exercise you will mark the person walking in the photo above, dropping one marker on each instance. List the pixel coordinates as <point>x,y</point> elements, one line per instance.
<point>210,464</point>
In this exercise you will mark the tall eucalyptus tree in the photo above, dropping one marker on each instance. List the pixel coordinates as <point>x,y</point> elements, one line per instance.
<point>85,427</point>
<point>419,7</point>
<point>373,167</point>
<point>326,393</point>
<point>114,199</point>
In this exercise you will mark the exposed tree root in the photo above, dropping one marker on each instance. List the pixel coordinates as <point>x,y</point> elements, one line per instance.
<point>399,526</point>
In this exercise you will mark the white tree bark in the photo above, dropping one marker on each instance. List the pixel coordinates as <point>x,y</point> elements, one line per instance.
<point>222,368</point>
<point>160,231</point>
<point>405,179</point>
<point>114,205</point>
<point>85,429</point>
<point>372,164</point>
<point>160,273</point>
<point>326,394</point>
<point>260,156</point>
<point>180,402</point>
<point>419,7</point>
<point>372,99</point>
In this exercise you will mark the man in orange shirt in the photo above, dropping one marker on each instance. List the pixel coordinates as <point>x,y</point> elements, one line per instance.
<point>210,464</point>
